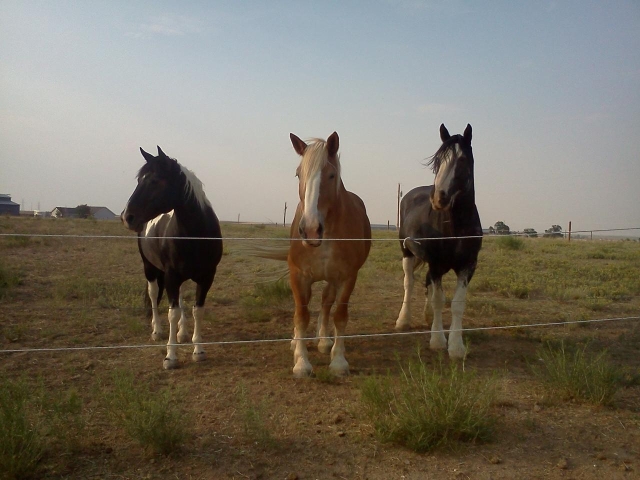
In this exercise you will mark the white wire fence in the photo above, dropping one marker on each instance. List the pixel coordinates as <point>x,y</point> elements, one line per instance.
<point>631,318</point>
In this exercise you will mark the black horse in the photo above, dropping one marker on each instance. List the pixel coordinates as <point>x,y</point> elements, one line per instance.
<point>429,216</point>
<point>167,204</point>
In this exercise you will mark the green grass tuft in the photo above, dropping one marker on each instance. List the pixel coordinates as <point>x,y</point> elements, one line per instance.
<point>430,408</point>
<point>148,417</point>
<point>578,375</point>
<point>256,427</point>
<point>510,243</point>
<point>8,280</point>
<point>35,423</point>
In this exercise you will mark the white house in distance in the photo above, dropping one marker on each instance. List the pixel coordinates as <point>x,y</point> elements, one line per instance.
<point>99,213</point>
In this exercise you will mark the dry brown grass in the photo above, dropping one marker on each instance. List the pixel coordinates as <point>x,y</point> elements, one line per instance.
<point>88,292</point>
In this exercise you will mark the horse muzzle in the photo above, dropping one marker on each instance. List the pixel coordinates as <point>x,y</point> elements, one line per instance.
<point>440,200</point>
<point>130,221</point>
<point>311,236</point>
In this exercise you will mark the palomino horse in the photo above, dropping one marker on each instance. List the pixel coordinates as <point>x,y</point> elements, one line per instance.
<point>168,203</point>
<point>445,209</point>
<point>326,211</point>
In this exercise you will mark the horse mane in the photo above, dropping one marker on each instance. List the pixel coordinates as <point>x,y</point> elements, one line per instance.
<point>192,185</point>
<point>444,153</point>
<point>315,158</point>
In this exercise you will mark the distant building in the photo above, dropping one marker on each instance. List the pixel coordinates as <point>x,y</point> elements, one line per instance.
<point>99,213</point>
<point>7,207</point>
<point>102,213</point>
<point>63,212</point>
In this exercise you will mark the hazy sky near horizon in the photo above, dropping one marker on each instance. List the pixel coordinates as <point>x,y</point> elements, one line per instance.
<point>552,90</point>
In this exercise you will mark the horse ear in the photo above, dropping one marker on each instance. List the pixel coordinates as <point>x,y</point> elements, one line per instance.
<point>444,133</point>
<point>147,156</point>
<point>333,143</point>
<point>298,145</point>
<point>160,152</point>
<point>467,133</point>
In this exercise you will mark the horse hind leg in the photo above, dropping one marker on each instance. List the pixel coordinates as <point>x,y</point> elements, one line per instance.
<point>328,298</point>
<point>404,318</point>
<point>456,344</point>
<point>438,340</point>
<point>183,329</point>
<point>198,314</point>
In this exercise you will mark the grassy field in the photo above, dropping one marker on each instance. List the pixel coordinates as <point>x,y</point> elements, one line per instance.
<point>114,413</point>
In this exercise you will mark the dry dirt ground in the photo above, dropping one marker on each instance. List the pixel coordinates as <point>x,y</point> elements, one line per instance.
<point>316,429</point>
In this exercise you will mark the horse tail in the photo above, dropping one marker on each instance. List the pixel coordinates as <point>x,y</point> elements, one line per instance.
<point>279,253</point>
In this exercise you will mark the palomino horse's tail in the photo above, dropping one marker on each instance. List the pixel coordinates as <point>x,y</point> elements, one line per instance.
<point>279,253</point>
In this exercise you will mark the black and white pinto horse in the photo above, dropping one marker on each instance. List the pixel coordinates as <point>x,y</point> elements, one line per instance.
<point>167,204</point>
<point>436,213</point>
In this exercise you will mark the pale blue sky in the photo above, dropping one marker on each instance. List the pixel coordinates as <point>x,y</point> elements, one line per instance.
<point>552,90</point>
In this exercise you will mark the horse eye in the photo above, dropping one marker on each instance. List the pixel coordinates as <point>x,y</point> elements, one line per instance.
<point>332,176</point>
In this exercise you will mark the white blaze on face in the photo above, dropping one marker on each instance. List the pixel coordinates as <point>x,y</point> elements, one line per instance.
<point>311,196</point>
<point>446,173</point>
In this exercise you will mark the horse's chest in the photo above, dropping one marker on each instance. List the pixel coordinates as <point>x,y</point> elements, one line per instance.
<point>320,264</point>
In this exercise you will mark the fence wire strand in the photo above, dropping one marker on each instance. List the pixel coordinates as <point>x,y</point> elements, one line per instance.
<point>351,336</point>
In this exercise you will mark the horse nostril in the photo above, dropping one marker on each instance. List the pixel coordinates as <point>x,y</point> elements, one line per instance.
<point>129,219</point>
<point>320,230</point>
<point>301,231</point>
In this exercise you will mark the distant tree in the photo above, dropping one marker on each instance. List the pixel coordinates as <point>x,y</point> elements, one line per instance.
<point>83,211</point>
<point>530,232</point>
<point>501,228</point>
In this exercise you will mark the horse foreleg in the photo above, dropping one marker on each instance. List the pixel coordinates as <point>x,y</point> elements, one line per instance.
<point>339,364</point>
<point>198,350</point>
<point>404,318</point>
<point>328,297</point>
<point>171,360</point>
<point>456,345</point>
<point>438,340</point>
<point>153,291</point>
<point>183,329</point>
<point>301,288</point>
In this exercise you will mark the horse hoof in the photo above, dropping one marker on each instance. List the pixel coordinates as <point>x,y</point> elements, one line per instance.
<point>438,342</point>
<point>302,370</point>
<point>325,345</point>
<point>402,326</point>
<point>339,366</point>
<point>170,363</point>
<point>457,353</point>
<point>199,357</point>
